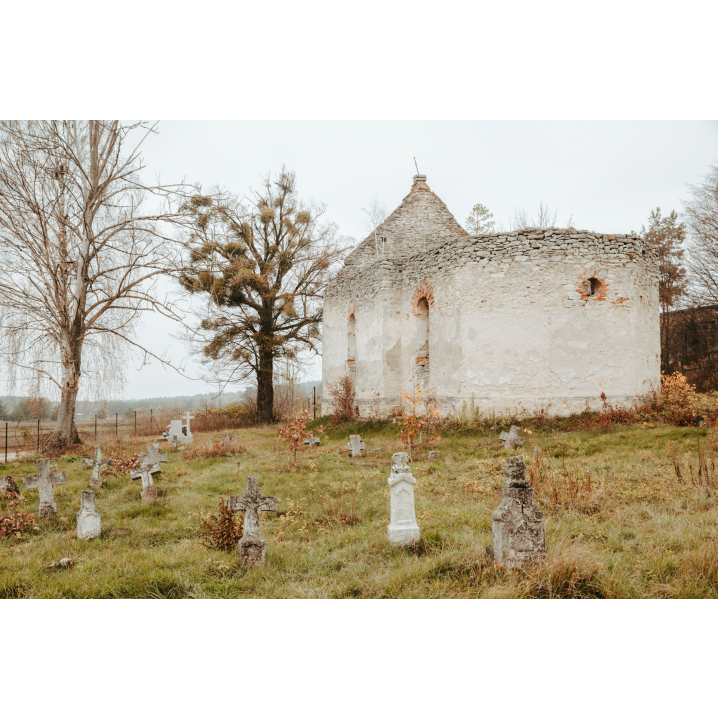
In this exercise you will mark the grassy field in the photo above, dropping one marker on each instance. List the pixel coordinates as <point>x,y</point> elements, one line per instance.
<point>620,523</point>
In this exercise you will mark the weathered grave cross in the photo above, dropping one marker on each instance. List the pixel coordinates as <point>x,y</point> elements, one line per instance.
<point>155,455</point>
<point>312,440</point>
<point>512,438</point>
<point>355,445</point>
<point>44,480</point>
<point>187,417</point>
<point>227,439</point>
<point>97,463</point>
<point>252,549</point>
<point>147,468</point>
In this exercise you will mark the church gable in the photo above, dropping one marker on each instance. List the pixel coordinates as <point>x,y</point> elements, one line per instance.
<point>420,222</point>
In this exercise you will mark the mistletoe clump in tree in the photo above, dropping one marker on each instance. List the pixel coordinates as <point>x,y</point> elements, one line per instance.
<point>262,267</point>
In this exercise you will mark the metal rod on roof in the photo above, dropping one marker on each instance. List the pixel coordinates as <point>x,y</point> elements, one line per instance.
<point>417,167</point>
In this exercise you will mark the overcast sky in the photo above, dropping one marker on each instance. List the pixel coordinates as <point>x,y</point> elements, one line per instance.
<point>608,174</point>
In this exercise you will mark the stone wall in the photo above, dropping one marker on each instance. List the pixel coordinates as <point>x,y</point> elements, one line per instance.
<point>534,319</point>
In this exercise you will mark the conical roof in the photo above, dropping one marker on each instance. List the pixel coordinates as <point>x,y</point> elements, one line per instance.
<point>420,222</point>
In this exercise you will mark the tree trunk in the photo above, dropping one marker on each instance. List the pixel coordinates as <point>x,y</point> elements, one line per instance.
<point>265,387</point>
<point>65,432</point>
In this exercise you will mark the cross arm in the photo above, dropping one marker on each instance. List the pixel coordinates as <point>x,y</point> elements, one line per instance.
<point>237,503</point>
<point>268,503</point>
<point>31,482</point>
<point>58,477</point>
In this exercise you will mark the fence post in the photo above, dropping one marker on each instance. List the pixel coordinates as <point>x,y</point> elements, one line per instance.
<point>315,402</point>
<point>6,442</point>
<point>38,436</point>
<point>95,427</point>
<point>115,424</point>
<point>135,423</point>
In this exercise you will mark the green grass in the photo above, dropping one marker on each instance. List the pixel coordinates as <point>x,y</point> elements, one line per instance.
<point>643,534</point>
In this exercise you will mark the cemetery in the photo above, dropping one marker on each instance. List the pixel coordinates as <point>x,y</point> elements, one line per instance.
<point>624,511</point>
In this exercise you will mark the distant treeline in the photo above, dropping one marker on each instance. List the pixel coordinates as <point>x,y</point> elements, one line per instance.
<point>22,408</point>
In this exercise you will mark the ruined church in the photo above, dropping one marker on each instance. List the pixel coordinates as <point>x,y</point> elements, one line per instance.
<point>529,319</point>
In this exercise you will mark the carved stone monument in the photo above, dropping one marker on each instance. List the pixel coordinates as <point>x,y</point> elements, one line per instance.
<point>44,480</point>
<point>312,441</point>
<point>97,463</point>
<point>173,441</point>
<point>433,454</point>
<point>8,487</point>
<point>252,548</point>
<point>355,445</point>
<point>147,468</point>
<point>519,533</point>
<point>512,438</point>
<point>89,523</point>
<point>402,528</point>
<point>156,456</point>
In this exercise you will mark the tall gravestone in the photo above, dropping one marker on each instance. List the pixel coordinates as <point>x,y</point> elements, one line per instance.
<point>252,549</point>
<point>97,463</point>
<point>176,431</point>
<point>89,523</point>
<point>44,480</point>
<point>518,530</point>
<point>402,527</point>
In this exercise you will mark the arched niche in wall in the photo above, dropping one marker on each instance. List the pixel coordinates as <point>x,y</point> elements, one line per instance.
<point>351,343</point>
<point>421,359</point>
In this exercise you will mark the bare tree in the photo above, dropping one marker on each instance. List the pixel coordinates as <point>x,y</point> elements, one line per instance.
<point>262,267</point>
<point>701,213</point>
<point>544,220</point>
<point>375,215</point>
<point>78,255</point>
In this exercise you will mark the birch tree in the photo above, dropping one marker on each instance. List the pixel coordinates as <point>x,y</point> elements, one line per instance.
<point>81,248</point>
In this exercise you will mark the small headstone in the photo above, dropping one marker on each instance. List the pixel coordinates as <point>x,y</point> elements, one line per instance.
<point>518,530</point>
<point>97,463</point>
<point>311,441</point>
<point>402,528</point>
<point>147,468</point>
<point>156,456</point>
<point>89,523</point>
<point>355,445</point>
<point>8,487</point>
<point>227,440</point>
<point>433,454</point>
<point>44,480</point>
<point>512,438</point>
<point>173,442</point>
<point>252,548</point>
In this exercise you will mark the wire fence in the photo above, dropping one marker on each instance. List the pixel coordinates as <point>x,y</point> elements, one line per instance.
<point>30,437</point>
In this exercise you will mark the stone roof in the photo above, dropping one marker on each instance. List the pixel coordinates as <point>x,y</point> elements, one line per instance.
<point>420,222</point>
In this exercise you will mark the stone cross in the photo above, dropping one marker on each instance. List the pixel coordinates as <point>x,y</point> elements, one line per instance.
<point>187,417</point>
<point>512,438</point>
<point>147,468</point>
<point>402,528</point>
<point>174,442</point>
<point>156,456</point>
<point>518,530</point>
<point>252,548</point>
<point>44,480</point>
<point>89,523</point>
<point>355,445</point>
<point>97,463</point>
<point>312,440</point>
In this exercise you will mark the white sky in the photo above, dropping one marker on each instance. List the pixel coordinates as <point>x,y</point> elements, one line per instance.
<point>609,174</point>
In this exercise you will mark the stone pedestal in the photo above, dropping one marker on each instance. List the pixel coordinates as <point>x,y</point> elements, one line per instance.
<point>252,551</point>
<point>402,528</point>
<point>518,530</point>
<point>89,523</point>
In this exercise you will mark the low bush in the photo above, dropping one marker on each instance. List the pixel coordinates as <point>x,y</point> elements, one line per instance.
<point>221,532</point>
